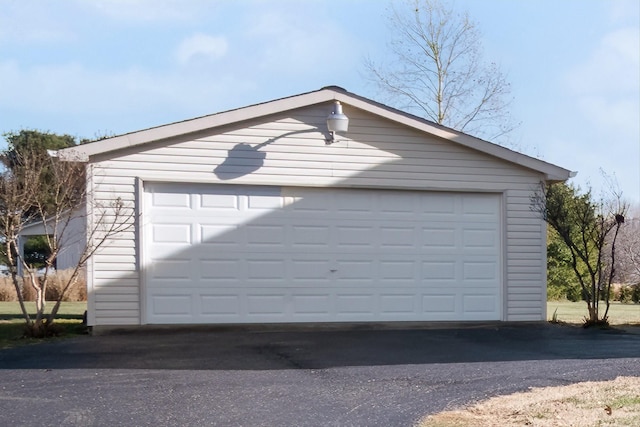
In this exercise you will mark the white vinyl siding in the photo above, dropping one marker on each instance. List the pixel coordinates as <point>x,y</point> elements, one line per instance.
<point>526,259</point>
<point>376,153</point>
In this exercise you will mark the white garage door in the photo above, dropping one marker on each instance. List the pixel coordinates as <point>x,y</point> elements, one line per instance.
<point>242,254</point>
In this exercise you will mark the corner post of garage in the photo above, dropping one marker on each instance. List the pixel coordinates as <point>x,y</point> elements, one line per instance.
<point>139,247</point>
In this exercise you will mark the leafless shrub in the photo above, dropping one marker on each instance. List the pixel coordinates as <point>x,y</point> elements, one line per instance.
<point>630,249</point>
<point>51,191</point>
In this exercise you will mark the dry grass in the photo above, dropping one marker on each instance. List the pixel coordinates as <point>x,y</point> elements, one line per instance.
<point>608,403</point>
<point>7,290</point>
<point>57,282</point>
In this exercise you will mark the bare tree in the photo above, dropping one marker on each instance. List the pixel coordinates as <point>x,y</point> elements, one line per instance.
<point>39,187</point>
<point>630,249</point>
<point>590,230</point>
<point>436,71</point>
<point>17,186</point>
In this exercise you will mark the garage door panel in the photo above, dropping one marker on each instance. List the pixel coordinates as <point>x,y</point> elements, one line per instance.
<point>223,270</point>
<point>220,202</point>
<point>438,238</point>
<point>265,271</point>
<point>170,252</point>
<point>398,304</point>
<point>245,254</point>
<point>439,271</point>
<point>354,272</point>
<point>355,237</point>
<point>172,233</point>
<point>480,271</point>
<point>484,239</point>
<point>220,305</point>
<point>309,236</point>
<point>394,237</point>
<point>355,304</point>
<point>359,204</point>
<point>312,306</point>
<point>272,305</point>
<point>479,207</point>
<point>311,271</point>
<point>309,203</point>
<point>171,269</point>
<point>171,305</point>
<point>439,304</point>
<point>393,272</point>
<point>172,200</point>
<point>266,202</point>
<point>439,205</point>
<point>478,304</point>
<point>397,204</point>
<point>221,236</point>
<point>268,236</point>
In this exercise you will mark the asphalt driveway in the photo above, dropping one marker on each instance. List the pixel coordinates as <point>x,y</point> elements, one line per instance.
<point>296,378</point>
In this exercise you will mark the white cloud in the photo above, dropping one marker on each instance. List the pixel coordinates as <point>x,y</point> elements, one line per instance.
<point>613,66</point>
<point>201,46</point>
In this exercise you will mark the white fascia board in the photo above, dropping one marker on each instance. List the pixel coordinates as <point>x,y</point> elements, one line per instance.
<point>551,172</point>
<point>84,152</point>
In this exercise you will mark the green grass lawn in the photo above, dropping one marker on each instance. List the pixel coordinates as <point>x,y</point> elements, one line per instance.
<point>70,317</point>
<point>12,322</point>
<point>575,312</point>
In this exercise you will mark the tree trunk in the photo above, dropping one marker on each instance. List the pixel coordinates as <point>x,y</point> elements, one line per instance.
<point>23,308</point>
<point>40,303</point>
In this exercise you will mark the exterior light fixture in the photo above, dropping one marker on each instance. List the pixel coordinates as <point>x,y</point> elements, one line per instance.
<point>337,122</point>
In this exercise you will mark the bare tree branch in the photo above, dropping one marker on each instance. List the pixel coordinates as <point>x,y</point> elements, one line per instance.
<point>436,70</point>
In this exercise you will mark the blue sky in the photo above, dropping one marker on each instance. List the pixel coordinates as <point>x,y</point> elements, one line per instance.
<point>90,67</point>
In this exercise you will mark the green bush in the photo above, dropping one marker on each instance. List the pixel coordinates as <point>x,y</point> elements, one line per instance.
<point>635,293</point>
<point>622,294</point>
<point>627,293</point>
<point>555,293</point>
<point>564,292</point>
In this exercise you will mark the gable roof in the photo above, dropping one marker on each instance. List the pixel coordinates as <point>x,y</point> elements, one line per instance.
<point>326,94</point>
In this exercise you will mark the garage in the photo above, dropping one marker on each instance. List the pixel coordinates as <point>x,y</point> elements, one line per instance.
<point>319,207</point>
<point>271,254</point>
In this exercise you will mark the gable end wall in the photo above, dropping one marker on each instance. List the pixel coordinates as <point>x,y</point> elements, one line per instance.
<point>374,154</point>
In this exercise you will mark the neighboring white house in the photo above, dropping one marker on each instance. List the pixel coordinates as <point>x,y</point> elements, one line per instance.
<point>255,215</point>
<point>72,239</point>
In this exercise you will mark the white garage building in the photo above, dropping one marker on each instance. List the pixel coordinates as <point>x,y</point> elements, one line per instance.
<point>256,216</point>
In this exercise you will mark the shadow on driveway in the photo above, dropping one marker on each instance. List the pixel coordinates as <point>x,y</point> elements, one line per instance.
<point>210,349</point>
